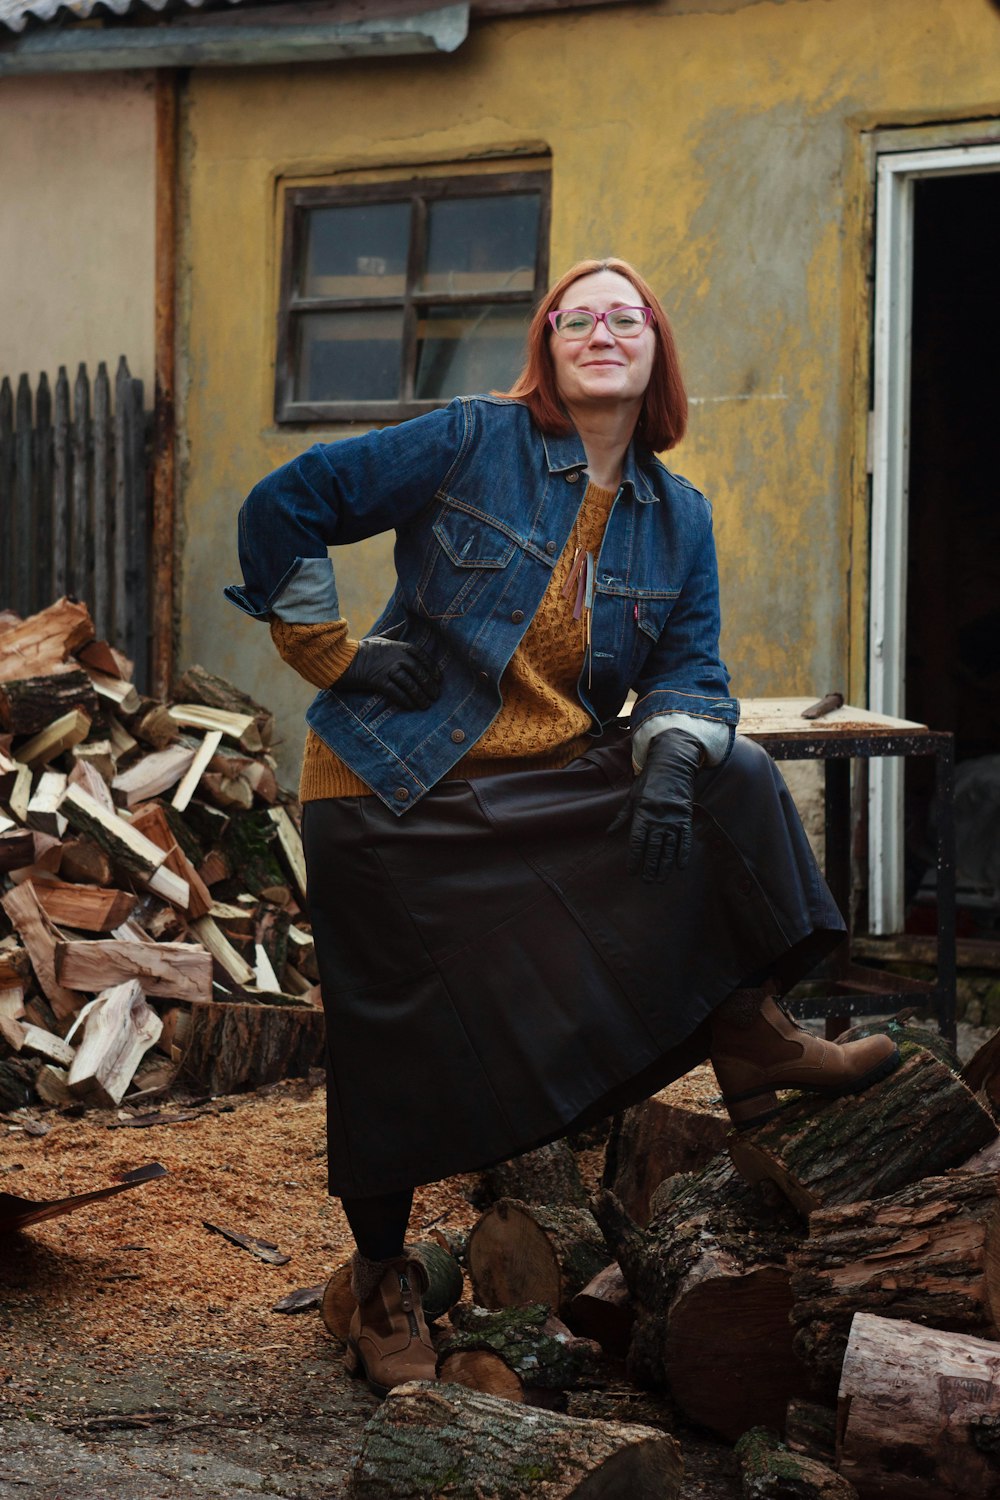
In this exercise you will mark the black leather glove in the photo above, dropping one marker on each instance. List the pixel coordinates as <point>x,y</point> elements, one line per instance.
<point>402,673</point>
<point>660,805</point>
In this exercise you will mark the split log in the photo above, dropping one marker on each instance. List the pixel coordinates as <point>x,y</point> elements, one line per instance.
<point>291,846</point>
<point>40,1043</point>
<point>107,659</point>
<point>547,1175</point>
<point>87,907</point>
<point>119,1029</point>
<point>982,1072</point>
<point>44,640</point>
<point>429,1439</point>
<point>15,787</point>
<point>15,963</point>
<point>200,686</point>
<point>58,736</point>
<point>919,1412</point>
<point>271,926</point>
<point>152,821</point>
<point>302,952</point>
<point>603,1311</point>
<point>531,1342</point>
<point>196,770</point>
<point>771,1471</point>
<point>540,1252</point>
<point>51,1086</point>
<point>98,755</point>
<point>152,724</point>
<point>28,704</point>
<point>86,775</point>
<point>232,1046</point>
<point>211,936</point>
<point>256,771</point>
<point>122,743</point>
<point>235,726</point>
<point>920,1120</point>
<point>172,971</point>
<point>125,845</point>
<point>40,938</point>
<point>17,849</point>
<point>154,774</point>
<point>227,791</point>
<point>444,1288</point>
<point>115,692</point>
<point>711,1274</point>
<point>44,808</point>
<point>84,862</point>
<point>654,1140</point>
<point>919,1254</point>
<point>12,1001</point>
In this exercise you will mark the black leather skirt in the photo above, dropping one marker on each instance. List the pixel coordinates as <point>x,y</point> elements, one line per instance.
<point>493,979</point>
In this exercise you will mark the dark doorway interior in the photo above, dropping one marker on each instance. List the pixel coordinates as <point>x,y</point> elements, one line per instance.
<point>953,593</point>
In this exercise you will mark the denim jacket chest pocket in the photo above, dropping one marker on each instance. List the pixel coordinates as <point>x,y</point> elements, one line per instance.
<point>465,551</point>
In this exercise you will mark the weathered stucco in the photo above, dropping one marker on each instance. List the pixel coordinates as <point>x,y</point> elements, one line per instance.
<point>77,223</point>
<point>722,150</point>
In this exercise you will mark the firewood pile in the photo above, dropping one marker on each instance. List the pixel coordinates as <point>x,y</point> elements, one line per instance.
<point>152,880</point>
<point>822,1291</point>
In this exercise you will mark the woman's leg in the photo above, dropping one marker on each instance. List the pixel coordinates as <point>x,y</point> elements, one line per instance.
<point>379,1224</point>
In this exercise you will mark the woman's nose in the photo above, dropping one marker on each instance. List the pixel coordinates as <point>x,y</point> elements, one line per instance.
<point>601,334</point>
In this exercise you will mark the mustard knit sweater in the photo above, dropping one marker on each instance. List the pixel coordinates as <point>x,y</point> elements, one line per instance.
<point>541,721</point>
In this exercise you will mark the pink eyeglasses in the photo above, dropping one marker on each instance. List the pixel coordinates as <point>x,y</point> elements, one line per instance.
<point>576,323</point>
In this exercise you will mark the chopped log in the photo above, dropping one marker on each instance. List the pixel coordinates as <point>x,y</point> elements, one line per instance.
<point>232,1046</point>
<point>199,686</point>
<point>152,724</point>
<point>302,952</point>
<point>291,846</point>
<point>176,1022</point>
<point>28,704</point>
<point>125,845</point>
<point>917,1413</point>
<point>84,862</point>
<point>255,771</point>
<point>87,907</point>
<point>151,820</point>
<point>214,867</point>
<point>534,1344</point>
<point>41,1043</point>
<point>99,755</point>
<point>107,659</point>
<point>547,1175</point>
<point>44,810</point>
<point>18,1082</point>
<point>603,1311</point>
<point>711,1273</point>
<point>235,726</point>
<point>12,1001</point>
<point>433,1439</point>
<point>918,1254</point>
<point>122,743</point>
<point>444,1288</point>
<point>58,736</point>
<point>40,937</point>
<point>654,1140</point>
<point>52,1087</point>
<point>153,774</point>
<point>811,1429</point>
<point>17,849</point>
<point>271,925</point>
<point>117,1032</point>
<point>982,1072</point>
<point>480,1368</point>
<point>771,1471</point>
<point>44,640</point>
<point>920,1120</point>
<point>211,937</point>
<point>115,692</point>
<point>533,1252</point>
<point>15,788</point>
<point>172,971</point>
<point>87,776</point>
<point>12,1032</point>
<point>15,963</point>
<point>196,770</point>
<point>227,791</point>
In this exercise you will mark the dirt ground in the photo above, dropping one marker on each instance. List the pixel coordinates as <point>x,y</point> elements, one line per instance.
<point>140,1356</point>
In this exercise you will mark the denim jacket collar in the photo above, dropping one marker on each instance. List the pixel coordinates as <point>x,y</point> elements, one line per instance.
<point>565,452</point>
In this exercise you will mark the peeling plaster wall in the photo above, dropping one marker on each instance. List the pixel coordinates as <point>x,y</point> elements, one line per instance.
<point>77,214</point>
<point>720,148</point>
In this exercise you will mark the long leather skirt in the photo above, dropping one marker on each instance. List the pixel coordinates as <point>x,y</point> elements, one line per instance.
<point>493,979</point>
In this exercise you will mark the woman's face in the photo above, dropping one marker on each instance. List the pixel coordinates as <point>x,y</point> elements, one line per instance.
<point>602,370</point>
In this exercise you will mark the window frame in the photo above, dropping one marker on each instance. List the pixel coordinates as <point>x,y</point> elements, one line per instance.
<point>418,193</point>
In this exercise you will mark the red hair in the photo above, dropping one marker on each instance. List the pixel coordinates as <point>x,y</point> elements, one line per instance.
<point>663,417</point>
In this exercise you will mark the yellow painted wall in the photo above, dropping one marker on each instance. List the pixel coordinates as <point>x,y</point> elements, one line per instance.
<point>77,205</point>
<point>719,147</point>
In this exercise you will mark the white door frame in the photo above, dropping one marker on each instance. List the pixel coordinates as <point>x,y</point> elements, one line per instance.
<point>896,174</point>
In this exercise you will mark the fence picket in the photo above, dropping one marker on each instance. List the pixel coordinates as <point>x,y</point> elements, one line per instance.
<point>62,470</point>
<point>74,502</point>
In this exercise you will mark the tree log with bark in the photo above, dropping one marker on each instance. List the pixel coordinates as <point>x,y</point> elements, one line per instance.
<point>530,1342</point>
<point>771,1471</point>
<point>533,1252</point>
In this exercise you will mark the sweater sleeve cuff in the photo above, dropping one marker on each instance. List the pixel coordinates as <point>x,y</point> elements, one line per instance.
<point>713,736</point>
<point>320,653</point>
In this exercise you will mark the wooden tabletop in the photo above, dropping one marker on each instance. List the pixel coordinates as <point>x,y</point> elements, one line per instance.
<point>783,716</point>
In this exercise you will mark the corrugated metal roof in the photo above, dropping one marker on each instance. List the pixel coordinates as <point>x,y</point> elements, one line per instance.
<point>17,14</point>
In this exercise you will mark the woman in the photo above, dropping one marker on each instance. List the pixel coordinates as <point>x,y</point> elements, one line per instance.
<point>472,808</point>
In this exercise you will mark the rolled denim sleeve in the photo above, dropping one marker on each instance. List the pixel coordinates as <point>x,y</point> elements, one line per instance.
<point>684,674</point>
<point>332,494</point>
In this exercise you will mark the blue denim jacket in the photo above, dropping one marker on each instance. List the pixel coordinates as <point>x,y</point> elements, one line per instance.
<point>483,504</point>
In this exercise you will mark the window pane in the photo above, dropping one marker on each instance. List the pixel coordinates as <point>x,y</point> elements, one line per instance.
<point>461,350</point>
<point>482,244</point>
<point>349,356</point>
<point>356,251</point>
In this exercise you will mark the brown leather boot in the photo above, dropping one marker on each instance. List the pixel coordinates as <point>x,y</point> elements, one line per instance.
<point>757,1048</point>
<point>388,1341</point>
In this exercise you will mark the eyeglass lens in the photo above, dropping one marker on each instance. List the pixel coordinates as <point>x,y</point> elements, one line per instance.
<point>623,322</point>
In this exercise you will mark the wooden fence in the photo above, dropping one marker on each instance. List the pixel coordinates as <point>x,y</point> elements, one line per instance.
<point>74,502</point>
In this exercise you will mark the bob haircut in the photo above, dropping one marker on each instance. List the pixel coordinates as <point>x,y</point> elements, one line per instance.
<point>663,417</point>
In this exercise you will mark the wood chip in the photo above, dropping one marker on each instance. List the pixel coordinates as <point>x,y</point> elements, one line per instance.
<point>262,1249</point>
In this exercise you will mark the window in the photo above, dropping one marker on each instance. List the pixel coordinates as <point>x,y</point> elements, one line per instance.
<point>396,297</point>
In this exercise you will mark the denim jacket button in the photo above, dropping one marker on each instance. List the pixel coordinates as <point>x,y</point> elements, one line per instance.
<point>517,617</point>
<point>458,735</point>
<point>484,676</point>
<point>572,477</point>
<point>550,548</point>
<point>401,794</point>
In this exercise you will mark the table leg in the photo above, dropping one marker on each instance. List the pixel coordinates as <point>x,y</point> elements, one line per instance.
<point>944,786</point>
<point>837,829</point>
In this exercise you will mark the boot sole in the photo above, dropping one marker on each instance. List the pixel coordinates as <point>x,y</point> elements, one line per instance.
<point>881,1070</point>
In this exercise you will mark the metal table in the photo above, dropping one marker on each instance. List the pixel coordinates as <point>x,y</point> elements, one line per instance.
<point>848,734</point>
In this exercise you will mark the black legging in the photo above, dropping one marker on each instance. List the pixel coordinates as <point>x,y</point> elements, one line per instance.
<point>379,1224</point>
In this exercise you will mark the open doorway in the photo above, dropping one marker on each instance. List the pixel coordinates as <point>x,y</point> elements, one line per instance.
<point>952,631</point>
